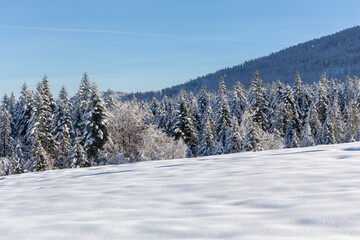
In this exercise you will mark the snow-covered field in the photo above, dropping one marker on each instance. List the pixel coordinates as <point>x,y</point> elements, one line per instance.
<point>300,193</point>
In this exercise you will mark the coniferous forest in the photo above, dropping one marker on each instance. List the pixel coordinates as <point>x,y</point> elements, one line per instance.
<point>40,133</point>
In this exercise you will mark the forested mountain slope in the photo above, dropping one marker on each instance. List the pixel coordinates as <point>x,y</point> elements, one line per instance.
<point>338,55</point>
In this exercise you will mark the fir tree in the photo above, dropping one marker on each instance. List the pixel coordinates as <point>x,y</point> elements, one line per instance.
<point>258,102</point>
<point>203,102</point>
<point>154,110</point>
<point>315,124</point>
<point>61,129</point>
<point>78,157</point>
<point>41,121</point>
<point>184,125</point>
<point>301,98</point>
<point>352,121</point>
<point>15,164</point>
<point>291,137</point>
<point>95,124</point>
<point>45,106</point>
<point>162,113</point>
<point>289,112</point>
<point>252,139</point>
<point>328,134</point>
<point>238,102</point>
<point>17,158</point>
<point>322,101</point>
<point>277,106</point>
<point>207,137</point>
<point>81,103</point>
<point>335,116</point>
<point>23,114</point>
<point>109,100</point>
<point>234,140</point>
<point>6,148</point>
<point>39,157</point>
<point>306,135</point>
<point>223,118</point>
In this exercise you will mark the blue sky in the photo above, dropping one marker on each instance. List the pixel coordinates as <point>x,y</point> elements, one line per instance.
<point>143,45</point>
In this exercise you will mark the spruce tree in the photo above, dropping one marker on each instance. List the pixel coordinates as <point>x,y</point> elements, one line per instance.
<point>81,102</point>
<point>95,125</point>
<point>306,135</point>
<point>289,112</point>
<point>15,164</point>
<point>61,129</point>
<point>352,121</point>
<point>322,101</point>
<point>45,106</point>
<point>234,140</point>
<point>291,137</point>
<point>223,118</point>
<point>154,107</point>
<point>238,102</point>
<point>39,157</point>
<point>277,105</point>
<point>109,100</point>
<point>6,148</point>
<point>328,134</point>
<point>335,116</point>
<point>17,158</point>
<point>41,120</point>
<point>78,157</point>
<point>184,125</point>
<point>252,139</point>
<point>258,102</point>
<point>207,137</point>
<point>23,114</point>
<point>315,124</point>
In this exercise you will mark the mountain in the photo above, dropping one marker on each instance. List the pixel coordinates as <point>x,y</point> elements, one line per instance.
<point>338,55</point>
<point>299,193</point>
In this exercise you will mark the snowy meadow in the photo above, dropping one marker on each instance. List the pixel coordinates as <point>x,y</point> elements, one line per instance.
<point>299,193</point>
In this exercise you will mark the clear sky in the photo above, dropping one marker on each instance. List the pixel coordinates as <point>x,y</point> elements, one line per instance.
<point>139,45</point>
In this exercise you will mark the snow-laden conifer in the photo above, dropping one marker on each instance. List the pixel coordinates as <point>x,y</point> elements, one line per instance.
<point>40,161</point>
<point>252,140</point>
<point>81,103</point>
<point>291,137</point>
<point>223,118</point>
<point>258,102</point>
<point>306,135</point>
<point>234,140</point>
<point>184,125</point>
<point>207,137</point>
<point>238,101</point>
<point>78,157</point>
<point>95,125</point>
<point>6,148</point>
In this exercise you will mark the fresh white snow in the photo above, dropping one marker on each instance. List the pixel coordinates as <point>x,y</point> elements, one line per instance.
<point>304,193</point>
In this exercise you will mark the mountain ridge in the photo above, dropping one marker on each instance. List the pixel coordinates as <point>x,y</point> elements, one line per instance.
<point>337,54</point>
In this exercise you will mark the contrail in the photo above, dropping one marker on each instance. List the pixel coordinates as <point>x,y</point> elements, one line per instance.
<point>89,31</point>
<point>199,38</point>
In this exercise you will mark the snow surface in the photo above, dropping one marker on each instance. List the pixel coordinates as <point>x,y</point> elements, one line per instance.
<point>300,193</point>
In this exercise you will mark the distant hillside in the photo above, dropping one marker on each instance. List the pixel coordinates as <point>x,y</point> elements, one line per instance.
<point>338,55</point>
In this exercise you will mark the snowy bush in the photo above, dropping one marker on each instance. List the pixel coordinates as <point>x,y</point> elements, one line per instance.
<point>157,145</point>
<point>5,166</point>
<point>136,140</point>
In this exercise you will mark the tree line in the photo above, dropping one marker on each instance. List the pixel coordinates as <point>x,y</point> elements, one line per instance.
<point>265,116</point>
<point>38,133</point>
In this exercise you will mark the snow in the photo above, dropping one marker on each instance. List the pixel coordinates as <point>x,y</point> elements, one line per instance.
<point>304,193</point>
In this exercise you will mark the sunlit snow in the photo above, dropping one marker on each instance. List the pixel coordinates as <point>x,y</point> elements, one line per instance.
<point>311,193</point>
